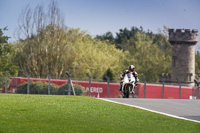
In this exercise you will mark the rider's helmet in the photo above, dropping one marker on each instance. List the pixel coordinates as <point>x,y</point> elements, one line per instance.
<point>131,68</point>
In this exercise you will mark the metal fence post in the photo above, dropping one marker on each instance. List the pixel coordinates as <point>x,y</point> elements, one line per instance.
<point>69,87</point>
<point>6,81</point>
<point>28,85</point>
<point>197,93</point>
<point>144,86</point>
<point>179,82</point>
<point>89,83</point>
<point>108,86</point>
<point>49,87</point>
<point>197,96</point>
<point>163,82</point>
<point>197,89</point>
<point>72,87</point>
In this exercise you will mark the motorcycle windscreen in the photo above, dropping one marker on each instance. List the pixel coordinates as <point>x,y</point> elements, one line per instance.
<point>131,77</point>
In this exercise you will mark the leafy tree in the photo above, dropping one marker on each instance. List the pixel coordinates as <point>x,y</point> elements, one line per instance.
<point>51,46</point>
<point>44,47</point>
<point>53,53</point>
<point>109,74</point>
<point>124,36</point>
<point>144,49</point>
<point>3,39</point>
<point>95,57</point>
<point>108,36</point>
<point>161,39</point>
<point>197,63</point>
<point>149,57</point>
<point>6,64</point>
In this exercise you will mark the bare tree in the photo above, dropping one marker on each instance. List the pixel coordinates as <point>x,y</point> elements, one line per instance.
<point>43,45</point>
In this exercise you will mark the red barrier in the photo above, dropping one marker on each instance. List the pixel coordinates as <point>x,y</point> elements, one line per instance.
<point>170,92</point>
<point>3,90</point>
<point>99,89</point>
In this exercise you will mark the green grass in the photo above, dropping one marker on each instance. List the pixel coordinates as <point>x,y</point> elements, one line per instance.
<point>57,114</point>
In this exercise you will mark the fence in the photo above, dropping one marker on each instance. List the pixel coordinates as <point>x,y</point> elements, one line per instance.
<point>107,89</point>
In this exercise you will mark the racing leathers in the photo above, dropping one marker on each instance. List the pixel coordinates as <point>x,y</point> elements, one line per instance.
<point>124,73</point>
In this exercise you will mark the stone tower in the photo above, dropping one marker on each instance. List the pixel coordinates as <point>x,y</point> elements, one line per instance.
<point>183,55</point>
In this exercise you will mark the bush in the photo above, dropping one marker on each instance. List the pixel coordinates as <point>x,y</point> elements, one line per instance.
<point>37,88</point>
<point>79,90</point>
<point>42,88</point>
<point>110,74</point>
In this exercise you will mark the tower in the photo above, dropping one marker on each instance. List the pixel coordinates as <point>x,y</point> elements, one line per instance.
<point>183,55</point>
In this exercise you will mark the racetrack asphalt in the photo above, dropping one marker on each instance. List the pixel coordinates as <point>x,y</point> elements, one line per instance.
<point>182,108</point>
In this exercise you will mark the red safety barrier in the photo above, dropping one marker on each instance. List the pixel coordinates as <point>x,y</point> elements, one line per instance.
<point>3,90</point>
<point>99,89</point>
<point>170,92</point>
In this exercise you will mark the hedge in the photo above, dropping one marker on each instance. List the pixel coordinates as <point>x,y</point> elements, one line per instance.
<point>79,90</point>
<point>40,87</point>
<point>37,88</point>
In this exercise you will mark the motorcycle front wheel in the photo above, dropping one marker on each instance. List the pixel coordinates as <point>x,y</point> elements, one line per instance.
<point>127,91</point>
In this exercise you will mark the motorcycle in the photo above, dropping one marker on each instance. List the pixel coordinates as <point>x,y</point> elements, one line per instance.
<point>128,85</point>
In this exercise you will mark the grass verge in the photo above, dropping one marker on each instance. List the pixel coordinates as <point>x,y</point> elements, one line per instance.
<point>61,114</point>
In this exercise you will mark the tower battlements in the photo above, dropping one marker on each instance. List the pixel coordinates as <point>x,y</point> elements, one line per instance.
<point>183,36</point>
<point>183,56</point>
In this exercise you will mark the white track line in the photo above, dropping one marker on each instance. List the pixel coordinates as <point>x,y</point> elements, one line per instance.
<point>150,110</point>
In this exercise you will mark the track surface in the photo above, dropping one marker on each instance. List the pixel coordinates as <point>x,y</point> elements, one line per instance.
<point>184,108</point>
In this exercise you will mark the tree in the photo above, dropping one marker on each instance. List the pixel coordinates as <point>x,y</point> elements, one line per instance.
<point>125,34</point>
<point>44,45</point>
<point>109,74</point>
<point>146,49</point>
<point>95,57</point>
<point>197,63</point>
<point>149,57</point>
<point>6,64</point>
<point>47,44</point>
<point>108,36</point>
<point>53,47</point>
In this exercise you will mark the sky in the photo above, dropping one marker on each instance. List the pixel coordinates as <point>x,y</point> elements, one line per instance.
<point>100,16</point>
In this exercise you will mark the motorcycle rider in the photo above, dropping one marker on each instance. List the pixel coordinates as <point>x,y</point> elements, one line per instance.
<point>130,69</point>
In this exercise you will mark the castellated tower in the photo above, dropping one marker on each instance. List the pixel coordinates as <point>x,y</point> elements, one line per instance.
<point>183,55</point>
